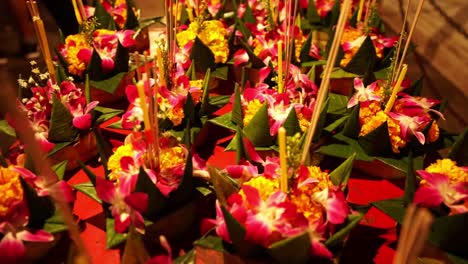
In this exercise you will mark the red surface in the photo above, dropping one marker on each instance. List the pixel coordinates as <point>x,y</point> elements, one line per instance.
<point>370,242</point>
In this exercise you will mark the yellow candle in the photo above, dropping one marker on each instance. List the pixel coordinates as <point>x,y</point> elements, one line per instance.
<point>283,161</point>
<point>396,89</point>
<point>144,107</point>
<point>280,66</point>
<point>359,14</point>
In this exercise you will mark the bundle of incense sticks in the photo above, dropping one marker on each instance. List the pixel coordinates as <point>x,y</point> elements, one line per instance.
<point>41,37</point>
<point>291,12</point>
<point>414,231</point>
<point>8,104</point>
<point>324,85</point>
<point>80,12</point>
<point>150,110</point>
<point>171,28</point>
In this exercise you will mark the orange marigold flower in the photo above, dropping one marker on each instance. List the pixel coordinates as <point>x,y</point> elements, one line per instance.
<point>434,132</point>
<point>114,161</point>
<point>304,122</point>
<point>176,115</point>
<point>73,45</point>
<point>373,122</point>
<point>11,190</point>
<point>265,186</point>
<point>171,157</point>
<point>367,112</point>
<point>303,197</point>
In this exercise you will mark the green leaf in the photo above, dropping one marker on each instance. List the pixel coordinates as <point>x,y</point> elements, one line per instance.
<point>223,185</point>
<point>106,113</point>
<point>61,128</point>
<point>104,19</point>
<point>312,14</point>
<point>243,29</point>
<point>219,100</point>
<point>55,224</point>
<point>40,208</point>
<point>205,97</point>
<point>382,74</point>
<point>113,238</point>
<point>185,189</point>
<point>88,172</point>
<point>248,15</point>
<point>339,73</point>
<point>210,242</point>
<point>395,208</point>
<point>202,55</point>
<point>377,142</point>
<point>410,184</point>
<point>292,250</point>
<point>120,60</point>
<point>352,221</point>
<point>258,129</point>
<point>7,136</point>
<point>191,72</point>
<point>304,54</point>
<point>459,151</point>
<point>188,258</point>
<point>415,88</point>
<point>224,121</point>
<point>221,73</point>
<point>235,229</point>
<point>457,260</point>
<point>116,125</point>
<point>336,124</point>
<point>291,124</point>
<point>449,233</point>
<point>343,147</point>
<point>236,115</point>
<point>60,169</point>
<point>109,85</point>
<point>104,149</point>
<point>340,175</point>
<point>352,127</point>
<point>88,189</point>
<point>61,74</point>
<point>156,200</point>
<point>132,20</point>
<point>189,109</point>
<point>59,146</point>
<point>322,120</point>
<point>338,104</point>
<point>364,59</point>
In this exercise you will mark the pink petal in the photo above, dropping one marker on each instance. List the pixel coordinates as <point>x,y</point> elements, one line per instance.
<point>138,201</point>
<point>38,236</point>
<point>434,179</point>
<point>45,144</point>
<point>428,196</point>
<point>420,137</point>
<point>358,85</point>
<point>241,56</point>
<point>320,250</point>
<point>82,122</point>
<point>352,101</point>
<point>252,195</point>
<point>250,148</point>
<point>107,64</point>
<point>11,249</point>
<point>91,106</point>
<point>66,191</point>
<point>105,190</point>
<point>126,163</point>
<point>25,173</point>
<point>126,38</point>
<point>85,55</point>
<point>337,208</point>
<point>122,222</point>
<point>257,231</point>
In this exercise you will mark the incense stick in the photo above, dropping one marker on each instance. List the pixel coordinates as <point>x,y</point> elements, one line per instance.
<point>405,229</point>
<point>323,90</point>
<point>410,35</point>
<point>42,38</point>
<point>400,42</point>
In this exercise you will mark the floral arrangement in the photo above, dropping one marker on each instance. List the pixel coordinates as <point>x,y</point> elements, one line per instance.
<point>27,213</point>
<point>123,13</point>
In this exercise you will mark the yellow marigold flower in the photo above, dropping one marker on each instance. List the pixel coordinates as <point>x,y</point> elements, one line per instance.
<point>377,120</point>
<point>303,197</point>
<point>250,110</point>
<point>114,161</point>
<point>73,44</point>
<point>11,190</point>
<point>298,42</point>
<point>212,33</point>
<point>355,37</point>
<point>171,157</point>
<point>257,47</point>
<point>434,132</point>
<point>197,94</point>
<point>266,187</point>
<point>448,167</point>
<point>176,115</point>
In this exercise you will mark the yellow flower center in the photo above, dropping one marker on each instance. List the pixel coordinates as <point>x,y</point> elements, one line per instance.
<point>449,167</point>
<point>171,157</point>
<point>114,161</point>
<point>266,187</point>
<point>11,190</point>
<point>250,110</point>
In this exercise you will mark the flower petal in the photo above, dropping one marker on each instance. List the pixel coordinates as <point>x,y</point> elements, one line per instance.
<point>138,201</point>
<point>82,122</point>
<point>428,196</point>
<point>11,249</point>
<point>105,190</point>
<point>38,236</point>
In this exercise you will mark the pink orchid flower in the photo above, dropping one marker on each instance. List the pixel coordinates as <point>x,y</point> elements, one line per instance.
<point>279,112</point>
<point>82,117</point>
<point>43,188</point>
<point>363,94</point>
<point>409,125</point>
<point>413,106</point>
<point>213,7</point>
<point>439,190</point>
<point>334,202</point>
<point>126,207</point>
<point>240,57</point>
<point>12,226</point>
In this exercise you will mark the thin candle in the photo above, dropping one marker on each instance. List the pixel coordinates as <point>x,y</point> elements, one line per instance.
<point>359,14</point>
<point>396,89</point>
<point>283,162</point>
<point>280,67</point>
